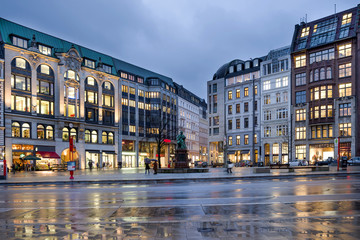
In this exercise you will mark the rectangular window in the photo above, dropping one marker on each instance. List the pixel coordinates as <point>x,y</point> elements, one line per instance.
<point>300,97</point>
<point>230,109</point>
<point>300,152</point>
<point>246,122</point>
<point>216,121</point>
<point>19,103</point>
<point>132,91</point>
<point>345,70</point>
<point>345,129</point>
<point>237,93</point>
<point>346,19</point>
<point>246,107</point>
<point>141,93</point>
<point>278,98</point>
<point>237,108</point>
<point>267,99</point>
<point>238,123</point>
<point>345,50</point>
<point>89,63</point>
<point>107,68</point>
<point>230,124</point>
<point>246,139</point>
<point>124,89</point>
<point>246,92</point>
<point>230,140</point>
<point>278,82</point>
<point>266,85</point>
<point>214,88</point>
<point>345,110</point>
<point>300,115</point>
<point>229,95</point>
<point>322,55</point>
<point>44,49</point>
<point>305,31</point>
<point>238,140</point>
<point>20,42</point>
<point>20,83</point>
<point>300,61</point>
<point>323,111</point>
<point>345,90</point>
<point>300,133</point>
<point>108,100</point>
<point>300,79</point>
<point>216,131</point>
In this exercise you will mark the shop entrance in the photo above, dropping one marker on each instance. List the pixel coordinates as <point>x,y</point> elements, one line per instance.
<point>320,152</point>
<point>128,161</point>
<point>66,157</point>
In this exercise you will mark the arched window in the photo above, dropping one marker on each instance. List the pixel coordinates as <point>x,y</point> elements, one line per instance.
<point>15,129</point>
<point>40,132</point>
<point>311,76</point>
<point>316,75</point>
<point>328,73</point>
<point>322,73</point>
<point>25,130</point>
<point>87,136</point>
<point>91,81</point>
<point>111,138</point>
<point>108,86</point>
<point>65,134</point>
<point>104,138</point>
<point>94,136</point>
<point>49,133</point>
<point>73,134</point>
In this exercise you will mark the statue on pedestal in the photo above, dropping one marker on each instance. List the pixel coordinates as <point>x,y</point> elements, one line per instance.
<point>181,141</point>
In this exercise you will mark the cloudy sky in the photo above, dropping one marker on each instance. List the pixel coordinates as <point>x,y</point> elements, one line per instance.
<point>187,40</point>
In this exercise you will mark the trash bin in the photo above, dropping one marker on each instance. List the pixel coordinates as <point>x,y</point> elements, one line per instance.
<point>344,164</point>
<point>260,164</point>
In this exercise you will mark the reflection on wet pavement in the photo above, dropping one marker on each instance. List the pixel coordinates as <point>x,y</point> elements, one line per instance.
<point>310,209</point>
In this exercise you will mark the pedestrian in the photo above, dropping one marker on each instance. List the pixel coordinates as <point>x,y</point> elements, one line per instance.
<point>90,165</point>
<point>155,167</point>
<point>49,165</point>
<point>13,168</point>
<point>103,165</point>
<point>230,165</point>
<point>147,166</point>
<point>97,165</point>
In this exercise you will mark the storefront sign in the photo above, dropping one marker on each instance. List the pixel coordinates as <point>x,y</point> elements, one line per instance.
<point>71,166</point>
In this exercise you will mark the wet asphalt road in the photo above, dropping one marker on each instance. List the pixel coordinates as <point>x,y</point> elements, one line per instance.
<point>300,208</point>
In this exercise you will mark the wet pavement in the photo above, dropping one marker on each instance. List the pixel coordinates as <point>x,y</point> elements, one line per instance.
<point>136,175</point>
<point>323,207</point>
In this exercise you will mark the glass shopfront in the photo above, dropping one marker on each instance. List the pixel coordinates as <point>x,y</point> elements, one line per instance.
<point>108,160</point>
<point>320,152</point>
<point>92,156</point>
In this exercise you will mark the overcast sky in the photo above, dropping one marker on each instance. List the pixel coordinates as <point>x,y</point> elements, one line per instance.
<point>187,40</point>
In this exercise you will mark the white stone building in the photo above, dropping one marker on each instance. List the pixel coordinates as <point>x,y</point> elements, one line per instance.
<point>275,106</point>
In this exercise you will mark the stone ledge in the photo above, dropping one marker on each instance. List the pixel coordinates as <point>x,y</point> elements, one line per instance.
<point>182,170</point>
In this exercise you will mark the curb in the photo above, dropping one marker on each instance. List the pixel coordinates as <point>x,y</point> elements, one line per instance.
<point>176,180</point>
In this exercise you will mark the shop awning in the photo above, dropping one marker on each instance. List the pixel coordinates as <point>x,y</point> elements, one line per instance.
<point>48,154</point>
<point>93,151</point>
<point>245,151</point>
<point>110,152</point>
<point>231,152</point>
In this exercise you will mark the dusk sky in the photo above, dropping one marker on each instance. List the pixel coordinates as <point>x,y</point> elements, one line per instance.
<point>187,40</point>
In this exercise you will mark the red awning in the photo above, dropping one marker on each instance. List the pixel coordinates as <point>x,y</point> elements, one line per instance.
<point>48,154</point>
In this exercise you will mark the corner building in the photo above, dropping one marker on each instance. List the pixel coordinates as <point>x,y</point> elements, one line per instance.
<point>51,89</point>
<point>325,82</point>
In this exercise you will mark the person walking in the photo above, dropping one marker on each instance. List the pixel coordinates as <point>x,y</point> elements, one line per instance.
<point>230,165</point>
<point>155,167</point>
<point>90,165</point>
<point>147,166</point>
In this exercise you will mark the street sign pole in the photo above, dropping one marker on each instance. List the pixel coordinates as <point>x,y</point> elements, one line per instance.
<point>337,142</point>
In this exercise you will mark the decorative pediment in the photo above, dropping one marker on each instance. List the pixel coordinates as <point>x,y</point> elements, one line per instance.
<point>72,83</point>
<point>34,59</point>
<point>73,59</point>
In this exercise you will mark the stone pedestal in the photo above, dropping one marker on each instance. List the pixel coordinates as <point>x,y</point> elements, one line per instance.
<point>181,158</point>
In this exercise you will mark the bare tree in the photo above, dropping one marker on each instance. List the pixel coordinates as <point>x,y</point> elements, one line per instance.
<point>160,123</point>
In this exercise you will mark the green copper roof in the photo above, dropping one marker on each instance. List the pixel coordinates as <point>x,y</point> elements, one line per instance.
<point>8,28</point>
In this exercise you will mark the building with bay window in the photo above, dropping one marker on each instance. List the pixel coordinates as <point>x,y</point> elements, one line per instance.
<point>52,90</point>
<point>325,76</point>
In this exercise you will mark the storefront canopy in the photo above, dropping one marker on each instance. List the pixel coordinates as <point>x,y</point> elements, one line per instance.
<point>48,154</point>
<point>245,151</point>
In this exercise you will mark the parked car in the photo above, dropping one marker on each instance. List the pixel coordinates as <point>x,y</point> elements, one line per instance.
<point>298,163</point>
<point>323,162</point>
<point>354,161</point>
